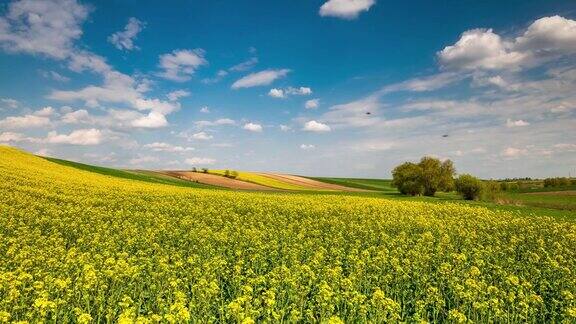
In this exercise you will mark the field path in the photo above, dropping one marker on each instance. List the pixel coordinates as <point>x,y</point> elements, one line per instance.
<point>308,183</point>
<point>215,180</point>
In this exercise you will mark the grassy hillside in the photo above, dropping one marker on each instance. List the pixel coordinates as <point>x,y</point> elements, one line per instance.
<point>368,184</point>
<point>146,176</point>
<point>79,246</point>
<point>261,180</point>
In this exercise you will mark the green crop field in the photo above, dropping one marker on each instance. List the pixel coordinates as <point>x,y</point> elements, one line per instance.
<point>78,245</point>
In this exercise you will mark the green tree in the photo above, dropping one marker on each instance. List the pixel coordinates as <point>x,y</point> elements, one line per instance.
<point>436,175</point>
<point>469,187</point>
<point>407,177</point>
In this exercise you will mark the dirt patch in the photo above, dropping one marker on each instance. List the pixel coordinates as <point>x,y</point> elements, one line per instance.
<point>554,193</point>
<point>215,180</point>
<point>309,183</point>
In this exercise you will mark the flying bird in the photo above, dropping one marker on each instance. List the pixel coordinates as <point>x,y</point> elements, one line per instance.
<point>445,135</point>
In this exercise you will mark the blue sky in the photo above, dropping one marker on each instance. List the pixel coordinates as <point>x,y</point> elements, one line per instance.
<point>338,87</point>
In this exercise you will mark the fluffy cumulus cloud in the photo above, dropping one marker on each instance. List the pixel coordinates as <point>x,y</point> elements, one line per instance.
<point>47,27</point>
<point>261,78</point>
<point>180,65</point>
<point>345,9</point>
<point>90,136</point>
<point>124,40</point>
<point>152,120</point>
<point>307,147</point>
<point>200,161</point>
<point>312,104</point>
<point>252,127</point>
<point>284,93</point>
<point>314,126</point>
<point>6,137</point>
<point>276,93</point>
<point>25,122</point>
<point>545,39</point>
<point>480,48</point>
<point>166,147</point>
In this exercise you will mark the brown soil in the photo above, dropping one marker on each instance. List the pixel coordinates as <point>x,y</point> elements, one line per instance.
<point>308,183</point>
<point>215,180</point>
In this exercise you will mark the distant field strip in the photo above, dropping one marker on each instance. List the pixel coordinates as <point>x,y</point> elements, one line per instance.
<point>262,180</point>
<point>307,182</point>
<point>215,180</point>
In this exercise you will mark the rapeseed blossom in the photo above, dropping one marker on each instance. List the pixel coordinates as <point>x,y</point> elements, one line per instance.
<point>81,247</point>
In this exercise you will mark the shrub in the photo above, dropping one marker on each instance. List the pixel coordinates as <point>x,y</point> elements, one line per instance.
<point>407,177</point>
<point>469,187</point>
<point>490,190</point>
<point>557,182</point>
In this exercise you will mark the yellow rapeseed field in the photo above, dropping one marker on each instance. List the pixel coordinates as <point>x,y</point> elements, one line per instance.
<point>81,247</point>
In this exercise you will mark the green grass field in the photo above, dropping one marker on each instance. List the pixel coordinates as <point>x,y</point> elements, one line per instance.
<point>383,185</point>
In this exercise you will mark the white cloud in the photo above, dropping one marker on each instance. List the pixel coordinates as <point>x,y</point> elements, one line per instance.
<point>45,112</point>
<point>285,128</point>
<point>202,136</point>
<point>81,116</point>
<point>205,110</point>
<point>276,93</point>
<point>516,123</point>
<point>301,91</point>
<point>152,120</point>
<point>312,104</point>
<point>314,126</point>
<point>175,95</point>
<point>11,137</point>
<point>565,147</point>
<point>10,103</point>
<point>124,40</point>
<point>360,113</point>
<point>200,161</point>
<point>181,64</point>
<point>218,122</point>
<point>307,147</point>
<point>512,152</point>
<point>429,83</point>
<point>554,34</point>
<point>480,48</point>
<point>545,39</point>
<point>346,9</point>
<point>284,93</point>
<point>244,66</point>
<point>165,147</point>
<point>252,127</point>
<point>54,76</point>
<point>261,78</point>
<point>26,121</point>
<point>90,136</point>
<point>143,160</point>
<point>44,152</point>
<point>219,76</point>
<point>42,27</point>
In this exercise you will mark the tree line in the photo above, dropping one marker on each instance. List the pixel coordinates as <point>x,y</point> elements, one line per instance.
<point>431,175</point>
